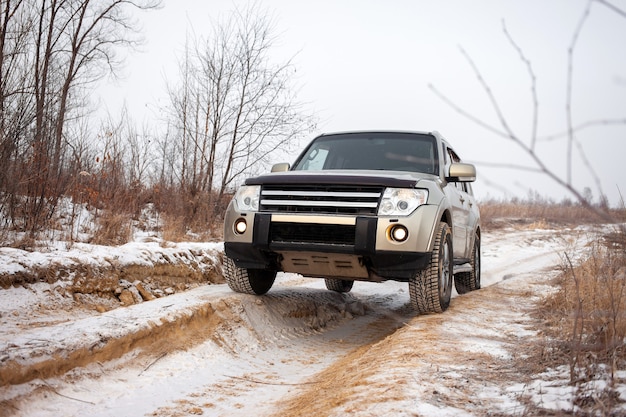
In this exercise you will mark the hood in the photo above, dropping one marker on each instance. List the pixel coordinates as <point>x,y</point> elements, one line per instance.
<point>399,179</point>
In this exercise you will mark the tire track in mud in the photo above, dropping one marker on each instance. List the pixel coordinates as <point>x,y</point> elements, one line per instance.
<point>300,332</point>
<point>445,361</point>
<point>298,329</point>
<point>292,350</point>
<point>179,333</point>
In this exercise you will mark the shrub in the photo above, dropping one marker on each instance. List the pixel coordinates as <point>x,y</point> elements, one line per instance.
<point>587,315</point>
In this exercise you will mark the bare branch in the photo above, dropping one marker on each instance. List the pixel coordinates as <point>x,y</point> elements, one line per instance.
<point>235,106</point>
<point>582,126</point>
<point>568,103</point>
<point>533,86</point>
<point>51,388</point>
<point>468,115</point>
<point>612,7</point>
<point>507,132</point>
<point>490,95</point>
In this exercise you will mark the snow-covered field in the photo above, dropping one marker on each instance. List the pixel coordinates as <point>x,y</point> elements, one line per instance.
<point>300,350</point>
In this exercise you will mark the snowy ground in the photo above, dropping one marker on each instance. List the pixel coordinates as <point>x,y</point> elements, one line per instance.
<point>300,350</point>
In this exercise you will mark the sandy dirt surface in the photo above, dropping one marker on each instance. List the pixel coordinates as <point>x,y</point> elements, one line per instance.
<point>299,350</point>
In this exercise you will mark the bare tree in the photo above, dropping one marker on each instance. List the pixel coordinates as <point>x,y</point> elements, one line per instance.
<point>234,106</point>
<point>52,52</point>
<point>15,102</point>
<point>529,145</point>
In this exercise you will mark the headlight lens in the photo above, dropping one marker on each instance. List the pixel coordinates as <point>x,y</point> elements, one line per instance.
<point>401,201</point>
<point>247,198</point>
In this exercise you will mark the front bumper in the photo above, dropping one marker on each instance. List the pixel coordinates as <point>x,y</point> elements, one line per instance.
<point>351,248</point>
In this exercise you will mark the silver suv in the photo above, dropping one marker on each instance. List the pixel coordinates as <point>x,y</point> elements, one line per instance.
<point>364,206</point>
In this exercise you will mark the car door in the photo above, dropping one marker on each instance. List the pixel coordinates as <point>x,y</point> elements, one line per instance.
<point>474,217</point>
<point>462,201</point>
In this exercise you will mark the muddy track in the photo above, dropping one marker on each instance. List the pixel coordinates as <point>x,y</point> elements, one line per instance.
<point>438,357</point>
<point>303,325</point>
<point>312,352</point>
<point>299,350</point>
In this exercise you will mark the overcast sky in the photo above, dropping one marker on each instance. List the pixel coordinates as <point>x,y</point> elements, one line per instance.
<point>368,65</point>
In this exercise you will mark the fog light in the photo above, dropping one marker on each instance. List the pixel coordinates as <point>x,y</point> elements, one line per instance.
<point>241,226</point>
<point>398,233</point>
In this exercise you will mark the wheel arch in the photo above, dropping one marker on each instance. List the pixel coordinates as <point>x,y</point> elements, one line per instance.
<point>443,214</point>
<point>446,217</point>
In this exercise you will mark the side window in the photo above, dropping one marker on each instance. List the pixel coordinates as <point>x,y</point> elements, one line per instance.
<point>461,186</point>
<point>453,156</point>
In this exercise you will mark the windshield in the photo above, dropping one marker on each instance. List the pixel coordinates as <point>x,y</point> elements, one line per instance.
<point>372,151</point>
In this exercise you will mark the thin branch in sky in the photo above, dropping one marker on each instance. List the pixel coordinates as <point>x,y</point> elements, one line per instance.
<point>533,85</point>
<point>568,102</point>
<point>589,166</point>
<point>613,7</point>
<point>505,131</point>
<point>582,126</point>
<point>490,95</point>
<point>466,114</point>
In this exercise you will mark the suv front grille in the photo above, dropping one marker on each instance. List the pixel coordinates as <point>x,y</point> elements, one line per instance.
<point>326,199</point>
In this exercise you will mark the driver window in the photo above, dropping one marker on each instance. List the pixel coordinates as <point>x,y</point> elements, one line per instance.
<point>453,156</point>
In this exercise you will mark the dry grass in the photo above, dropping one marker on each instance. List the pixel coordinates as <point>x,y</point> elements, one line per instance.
<point>593,298</point>
<point>533,214</point>
<point>586,317</point>
<point>586,321</point>
<point>113,229</point>
<point>174,229</point>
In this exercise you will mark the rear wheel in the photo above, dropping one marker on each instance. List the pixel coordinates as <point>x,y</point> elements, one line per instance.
<point>465,282</point>
<point>430,289</point>
<point>247,281</point>
<point>339,285</point>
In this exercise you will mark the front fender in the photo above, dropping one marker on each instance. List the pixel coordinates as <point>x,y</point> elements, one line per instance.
<point>421,225</point>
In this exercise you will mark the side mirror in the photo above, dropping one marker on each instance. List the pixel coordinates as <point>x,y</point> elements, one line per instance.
<point>282,167</point>
<point>462,173</point>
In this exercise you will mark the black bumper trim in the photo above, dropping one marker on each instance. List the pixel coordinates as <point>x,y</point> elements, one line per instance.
<point>365,235</point>
<point>399,266</point>
<point>246,255</point>
<point>261,230</point>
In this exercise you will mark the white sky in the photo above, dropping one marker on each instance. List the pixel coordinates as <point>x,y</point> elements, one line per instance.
<point>367,65</point>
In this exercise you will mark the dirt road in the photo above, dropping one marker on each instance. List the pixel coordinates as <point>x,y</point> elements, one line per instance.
<point>302,350</point>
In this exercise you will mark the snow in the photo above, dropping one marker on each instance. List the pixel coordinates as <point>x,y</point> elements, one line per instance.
<point>239,345</point>
<point>134,253</point>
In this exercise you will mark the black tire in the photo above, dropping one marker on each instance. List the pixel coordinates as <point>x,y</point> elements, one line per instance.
<point>247,281</point>
<point>465,282</point>
<point>430,289</point>
<point>339,285</point>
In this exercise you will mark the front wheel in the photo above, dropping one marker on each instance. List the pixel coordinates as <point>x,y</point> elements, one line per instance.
<point>430,289</point>
<point>247,281</point>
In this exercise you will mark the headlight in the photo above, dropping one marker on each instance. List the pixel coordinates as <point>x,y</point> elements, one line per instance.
<point>401,201</point>
<point>247,198</point>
